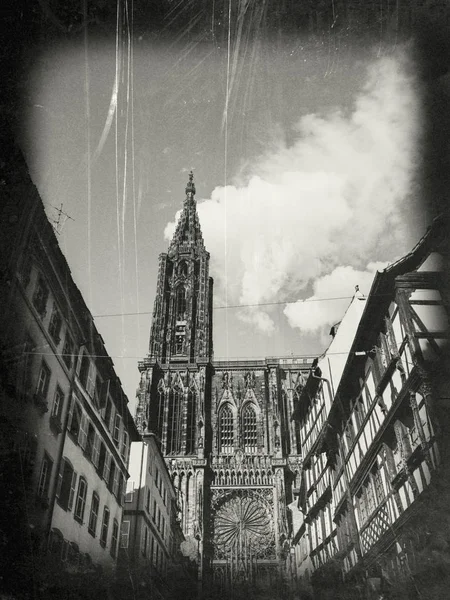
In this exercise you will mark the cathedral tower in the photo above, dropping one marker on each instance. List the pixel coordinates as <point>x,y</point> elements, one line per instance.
<point>171,395</point>
<point>225,427</point>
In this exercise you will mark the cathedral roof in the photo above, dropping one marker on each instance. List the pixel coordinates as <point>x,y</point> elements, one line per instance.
<point>188,233</point>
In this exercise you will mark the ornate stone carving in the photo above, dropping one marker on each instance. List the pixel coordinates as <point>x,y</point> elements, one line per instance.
<point>243,525</point>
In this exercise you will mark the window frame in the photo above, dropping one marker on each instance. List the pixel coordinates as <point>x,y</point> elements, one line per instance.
<point>80,503</point>
<point>114,538</point>
<point>93,514</point>
<point>44,477</point>
<point>55,325</point>
<point>43,384</point>
<point>105,527</point>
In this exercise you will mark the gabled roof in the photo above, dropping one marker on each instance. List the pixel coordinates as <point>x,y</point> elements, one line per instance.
<point>381,295</point>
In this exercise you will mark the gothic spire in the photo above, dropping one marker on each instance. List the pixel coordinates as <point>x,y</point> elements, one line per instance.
<point>188,233</point>
<point>190,187</point>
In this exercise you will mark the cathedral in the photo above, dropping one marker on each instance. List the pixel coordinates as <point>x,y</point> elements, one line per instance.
<point>225,427</point>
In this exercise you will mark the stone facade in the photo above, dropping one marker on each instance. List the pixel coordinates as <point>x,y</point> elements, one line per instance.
<point>225,427</point>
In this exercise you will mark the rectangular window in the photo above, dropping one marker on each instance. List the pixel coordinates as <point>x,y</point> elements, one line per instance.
<point>124,448</point>
<point>92,528</point>
<point>163,527</point>
<point>115,485</point>
<point>82,434</point>
<point>54,327</point>
<point>90,382</point>
<point>105,525</point>
<point>120,489</point>
<point>102,392</point>
<point>116,432</point>
<point>80,504</point>
<point>154,510</point>
<point>96,450</point>
<point>90,440</point>
<point>65,489</point>
<point>58,401</point>
<point>43,381</point>
<point>40,296</point>
<point>108,412</point>
<point>114,538</point>
<point>72,491</point>
<point>125,534</point>
<point>67,354</point>
<point>44,477</point>
<point>74,420</point>
<point>107,469</point>
<point>84,363</point>
<point>147,504</point>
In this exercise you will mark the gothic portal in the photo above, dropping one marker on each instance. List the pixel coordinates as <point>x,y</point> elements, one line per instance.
<point>225,426</point>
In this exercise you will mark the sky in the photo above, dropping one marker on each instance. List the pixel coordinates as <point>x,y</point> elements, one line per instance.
<point>305,151</point>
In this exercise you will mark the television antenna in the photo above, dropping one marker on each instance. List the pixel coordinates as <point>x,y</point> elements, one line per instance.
<point>60,220</point>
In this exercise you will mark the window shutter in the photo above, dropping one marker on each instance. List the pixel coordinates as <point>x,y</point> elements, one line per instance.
<point>103,393</point>
<point>60,479</point>
<point>82,435</point>
<point>124,449</point>
<point>72,491</point>
<point>124,489</point>
<point>96,450</point>
<point>90,384</point>
<point>117,474</point>
<point>69,418</point>
<point>111,420</point>
<point>107,468</point>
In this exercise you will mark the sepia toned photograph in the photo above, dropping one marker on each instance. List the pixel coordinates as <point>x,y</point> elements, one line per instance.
<point>225,300</point>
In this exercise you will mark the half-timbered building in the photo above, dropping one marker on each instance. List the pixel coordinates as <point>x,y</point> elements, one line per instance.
<point>371,432</point>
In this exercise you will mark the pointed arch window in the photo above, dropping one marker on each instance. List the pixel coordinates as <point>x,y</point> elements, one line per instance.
<point>190,424</point>
<point>157,425</point>
<point>173,442</point>
<point>183,268</point>
<point>180,304</point>
<point>226,430</point>
<point>249,429</point>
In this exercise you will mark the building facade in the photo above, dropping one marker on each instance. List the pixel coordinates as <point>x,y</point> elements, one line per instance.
<point>370,518</point>
<point>66,427</point>
<point>151,536</point>
<point>225,428</point>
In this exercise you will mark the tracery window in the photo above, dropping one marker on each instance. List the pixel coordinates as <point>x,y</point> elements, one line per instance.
<point>183,268</point>
<point>174,422</point>
<point>249,429</point>
<point>226,431</point>
<point>190,425</point>
<point>180,304</point>
<point>160,413</point>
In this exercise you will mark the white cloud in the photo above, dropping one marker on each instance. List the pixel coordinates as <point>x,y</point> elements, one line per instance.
<point>336,198</point>
<point>316,312</point>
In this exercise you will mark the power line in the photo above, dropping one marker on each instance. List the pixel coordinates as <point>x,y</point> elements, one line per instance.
<point>236,306</point>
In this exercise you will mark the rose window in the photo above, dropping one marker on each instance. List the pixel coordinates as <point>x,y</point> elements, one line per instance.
<point>242,522</point>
